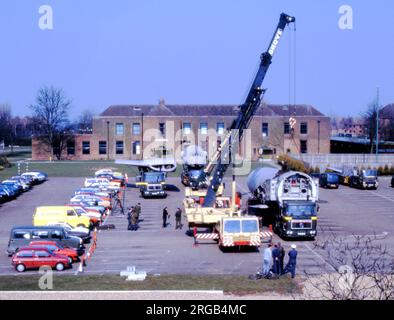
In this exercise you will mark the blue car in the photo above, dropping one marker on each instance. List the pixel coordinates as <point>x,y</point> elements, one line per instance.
<point>329,180</point>
<point>15,185</point>
<point>3,195</point>
<point>11,192</point>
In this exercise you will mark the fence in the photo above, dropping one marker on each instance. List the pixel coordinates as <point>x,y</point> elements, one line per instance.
<point>346,160</point>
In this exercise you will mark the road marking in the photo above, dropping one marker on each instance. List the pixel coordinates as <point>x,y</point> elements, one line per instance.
<point>319,256</point>
<point>382,196</point>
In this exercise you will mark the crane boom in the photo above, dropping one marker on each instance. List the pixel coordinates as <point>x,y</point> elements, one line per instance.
<point>219,163</point>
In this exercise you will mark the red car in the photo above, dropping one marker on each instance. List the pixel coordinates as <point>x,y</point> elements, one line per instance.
<point>34,258</point>
<point>57,249</point>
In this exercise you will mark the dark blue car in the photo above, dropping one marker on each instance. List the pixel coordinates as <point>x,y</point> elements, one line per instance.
<point>329,180</point>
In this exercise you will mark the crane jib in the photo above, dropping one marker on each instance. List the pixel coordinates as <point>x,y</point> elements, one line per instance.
<point>246,112</point>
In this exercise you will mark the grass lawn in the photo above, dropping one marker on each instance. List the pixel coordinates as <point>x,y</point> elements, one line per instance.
<point>240,285</point>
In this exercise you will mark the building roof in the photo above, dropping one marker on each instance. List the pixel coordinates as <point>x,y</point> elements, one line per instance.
<point>206,110</point>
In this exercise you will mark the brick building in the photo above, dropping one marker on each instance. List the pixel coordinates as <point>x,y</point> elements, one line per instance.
<point>145,131</point>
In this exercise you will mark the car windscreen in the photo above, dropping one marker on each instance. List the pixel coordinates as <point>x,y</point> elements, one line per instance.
<point>332,178</point>
<point>195,174</point>
<point>299,211</point>
<point>370,173</point>
<point>232,226</point>
<point>250,226</point>
<point>152,178</point>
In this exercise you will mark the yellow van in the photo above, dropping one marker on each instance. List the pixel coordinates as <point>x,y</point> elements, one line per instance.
<point>45,215</point>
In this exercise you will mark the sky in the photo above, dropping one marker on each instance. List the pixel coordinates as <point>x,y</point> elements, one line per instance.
<point>103,53</point>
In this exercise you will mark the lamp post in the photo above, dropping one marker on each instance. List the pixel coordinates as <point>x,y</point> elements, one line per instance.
<point>318,137</point>
<point>377,122</point>
<point>142,136</point>
<point>108,140</point>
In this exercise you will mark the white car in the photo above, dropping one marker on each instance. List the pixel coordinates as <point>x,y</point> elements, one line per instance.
<point>81,211</point>
<point>69,228</point>
<point>103,171</point>
<point>96,182</point>
<point>37,176</point>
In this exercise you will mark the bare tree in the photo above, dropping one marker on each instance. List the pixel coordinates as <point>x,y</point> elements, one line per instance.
<point>85,121</point>
<point>370,117</point>
<point>7,132</point>
<point>50,111</point>
<point>362,268</point>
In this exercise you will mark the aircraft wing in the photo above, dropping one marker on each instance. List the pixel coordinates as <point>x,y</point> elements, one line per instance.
<point>155,164</point>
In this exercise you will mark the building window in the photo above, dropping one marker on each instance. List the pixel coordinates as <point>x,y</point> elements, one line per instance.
<point>304,146</point>
<point>162,129</point>
<point>119,129</point>
<point>265,130</point>
<point>136,129</point>
<point>136,148</point>
<point>102,147</point>
<point>71,148</point>
<point>220,128</point>
<point>187,128</point>
<point>304,128</point>
<point>286,128</point>
<point>85,147</point>
<point>204,128</point>
<point>119,147</point>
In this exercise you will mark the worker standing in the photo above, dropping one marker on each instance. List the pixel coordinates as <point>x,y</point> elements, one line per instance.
<point>291,265</point>
<point>137,210</point>
<point>267,260</point>
<point>178,219</point>
<point>281,257</point>
<point>129,217</point>
<point>134,221</point>
<point>276,261</point>
<point>165,216</point>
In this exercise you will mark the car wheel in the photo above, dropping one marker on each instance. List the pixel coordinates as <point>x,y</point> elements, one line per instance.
<point>70,260</point>
<point>20,268</point>
<point>81,226</point>
<point>59,266</point>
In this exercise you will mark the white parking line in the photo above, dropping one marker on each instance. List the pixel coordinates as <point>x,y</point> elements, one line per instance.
<point>382,196</point>
<point>319,257</point>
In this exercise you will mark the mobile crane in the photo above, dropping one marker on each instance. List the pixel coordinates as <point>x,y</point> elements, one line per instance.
<point>212,209</point>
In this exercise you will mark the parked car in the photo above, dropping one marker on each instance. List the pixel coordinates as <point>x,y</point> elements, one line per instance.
<point>80,232</point>
<point>153,191</point>
<point>3,195</point>
<point>95,217</point>
<point>22,236</point>
<point>45,215</point>
<point>34,258</point>
<point>25,186</point>
<point>28,180</point>
<point>96,182</point>
<point>9,194</point>
<point>392,182</point>
<point>329,180</point>
<point>90,205</point>
<point>38,177</point>
<point>12,190</point>
<point>92,199</point>
<point>13,185</point>
<point>57,248</point>
<point>103,171</point>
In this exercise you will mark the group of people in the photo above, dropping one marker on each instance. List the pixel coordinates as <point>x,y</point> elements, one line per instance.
<point>133,217</point>
<point>178,218</point>
<point>274,256</point>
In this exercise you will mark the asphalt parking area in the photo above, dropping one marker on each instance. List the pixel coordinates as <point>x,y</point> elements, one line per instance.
<point>156,250</point>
